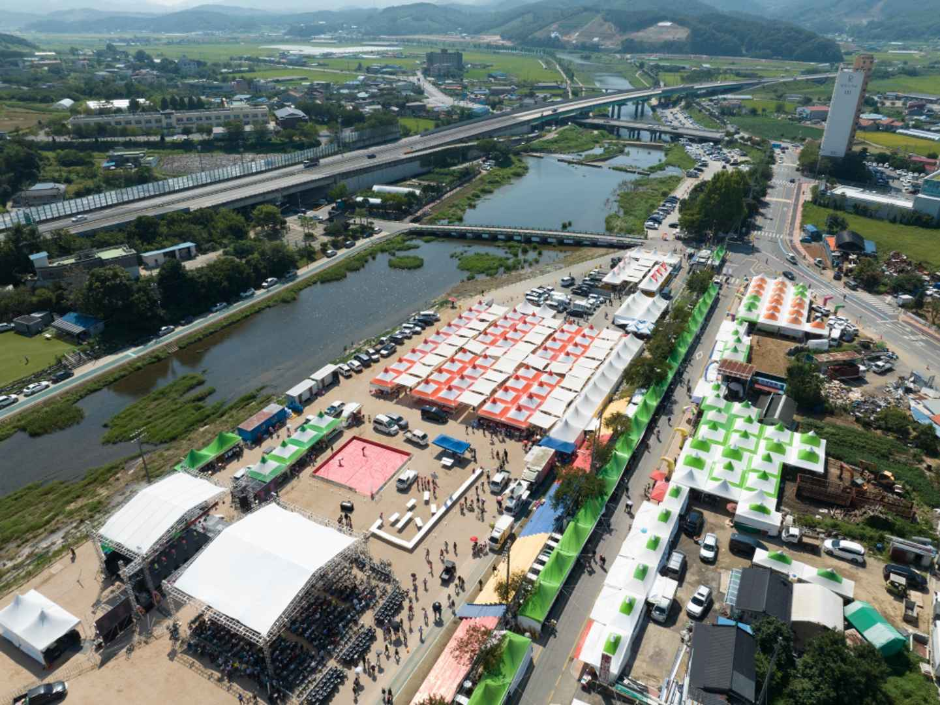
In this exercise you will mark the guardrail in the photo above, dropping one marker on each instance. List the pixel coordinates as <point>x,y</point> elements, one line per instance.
<point>75,206</point>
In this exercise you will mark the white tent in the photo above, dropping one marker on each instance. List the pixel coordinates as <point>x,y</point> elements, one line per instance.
<point>829,579</point>
<point>628,574</point>
<point>814,610</point>
<point>602,639</point>
<point>757,511</point>
<point>778,561</point>
<point>618,608</point>
<point>257,566</point>
<point>153,511</point>
<point>33,623</point>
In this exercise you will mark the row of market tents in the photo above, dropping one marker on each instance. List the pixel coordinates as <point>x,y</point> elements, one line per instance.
<point>553,576</point>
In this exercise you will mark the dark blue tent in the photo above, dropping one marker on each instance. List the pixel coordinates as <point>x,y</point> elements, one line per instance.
<point>451,444</point>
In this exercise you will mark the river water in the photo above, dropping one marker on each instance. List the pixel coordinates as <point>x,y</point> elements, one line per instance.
<point>274,349</point>
<point>284,344</point>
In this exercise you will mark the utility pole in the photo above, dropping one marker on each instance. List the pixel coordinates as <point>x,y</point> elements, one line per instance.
<point>140,450</point>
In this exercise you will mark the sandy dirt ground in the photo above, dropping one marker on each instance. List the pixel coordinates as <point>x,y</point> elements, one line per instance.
<point>151,672</point>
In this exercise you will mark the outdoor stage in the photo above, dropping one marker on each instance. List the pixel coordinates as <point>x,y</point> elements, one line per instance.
<point>363,466</point>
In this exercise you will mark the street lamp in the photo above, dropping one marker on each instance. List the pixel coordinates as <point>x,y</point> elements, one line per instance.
<point>137,435</point>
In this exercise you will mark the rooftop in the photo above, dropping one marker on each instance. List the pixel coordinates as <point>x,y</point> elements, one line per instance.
<point>104,253</point>
<point>871,196</point>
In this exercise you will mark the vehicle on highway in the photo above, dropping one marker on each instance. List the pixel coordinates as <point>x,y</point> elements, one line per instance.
<point>708,551</point>
<point>8,400</point>
<point>791,258</point>
<point>165,330</point>
<point>700,602</point>
<point>43,694</point>
<point>269,282</point>
<point>330,253</point>
<point>376,230</point>
<point>310,163</point>
<point>370,156</point>
<point>36,387</point>
<point>846,550</point>
<point>79,218</point>
<point>221,306</point>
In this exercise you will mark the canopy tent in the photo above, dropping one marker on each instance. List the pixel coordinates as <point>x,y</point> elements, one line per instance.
<point>631,575</point>
<point>449,671</point>
<point>829,578</point>
<point>451,444</point>
<point>875,628</point>
<point>33,623</point>
<point>232,575</point>
<point>813,603</point>
<point>618,608</point>
<point>757,511</point>
<point>197,459</point>
<point>604,640</point>
<point>266,470</point>
<point>151,513</point>
<point>779,561</point>
<point>494,688</point>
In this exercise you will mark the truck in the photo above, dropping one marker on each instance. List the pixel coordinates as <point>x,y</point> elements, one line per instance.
<point>539,461</point>
<point>846,371</point>
<point>800,537</point>
<point>310,163</point>
<point>516,498</point>
<point>661,597</point>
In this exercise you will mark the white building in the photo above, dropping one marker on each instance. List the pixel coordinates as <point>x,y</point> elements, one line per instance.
<point>846,105</point>
<point>172,120</point>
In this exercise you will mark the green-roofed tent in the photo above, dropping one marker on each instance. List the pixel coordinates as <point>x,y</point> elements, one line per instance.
<point>194,460</point>
<point>780,557</point>
<point>266,470</point>
<point>494,688</point>
<point>220,445</point>
<point>875,628</point>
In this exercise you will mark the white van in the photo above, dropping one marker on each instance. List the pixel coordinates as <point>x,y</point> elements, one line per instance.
<point>383,424</point>
<point>501,531</point>
<point>498,482</point>
<point>406,480</point>
<point>352,413</point>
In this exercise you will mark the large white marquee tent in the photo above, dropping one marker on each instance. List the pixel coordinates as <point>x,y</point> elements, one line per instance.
<point>33,623</point>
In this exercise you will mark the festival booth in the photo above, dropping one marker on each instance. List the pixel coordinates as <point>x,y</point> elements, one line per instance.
<point>38,627</point>
<point>223,447</point>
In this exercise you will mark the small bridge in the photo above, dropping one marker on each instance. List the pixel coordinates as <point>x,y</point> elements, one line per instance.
<point>499,233</point>
<point>653,128</point>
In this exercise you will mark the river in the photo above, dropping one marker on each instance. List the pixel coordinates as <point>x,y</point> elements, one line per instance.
<point>274,349</point>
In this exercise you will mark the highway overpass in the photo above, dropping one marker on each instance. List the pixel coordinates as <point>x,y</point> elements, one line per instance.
<point>388,162</point>
<point>654,129</point>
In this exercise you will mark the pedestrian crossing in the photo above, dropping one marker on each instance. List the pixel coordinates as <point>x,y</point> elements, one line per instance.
<point>771,235</point>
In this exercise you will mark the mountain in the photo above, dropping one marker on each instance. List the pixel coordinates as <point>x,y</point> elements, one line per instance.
<point>870,19</point>
<point>11,45</point>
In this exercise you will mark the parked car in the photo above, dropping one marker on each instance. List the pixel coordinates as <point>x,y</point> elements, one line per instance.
<point>330,253</point>
<point>399,420</point>
<point>335,409</point>
<point>700,602</point>
<point>567,282</point>
<point>247,294</point>
<point>708,551</point>
<point>42,694</point>
<point>387,350</point>
<point>221,306</point>
<point>269,282</point>
<point>4,327</point>
<point>370,156</point>
<point>344,370</point>
<point>363,359</point>
<point>373,354</point>
<point>36,387</point>
<point>432,413</point>
<point>8,400</point>
<point>693,523</point>
<point>915,580</point>
<point>744,545</point>
<point>418,438</point>
<point>675,567</point>
<point>165,330</point>
<point>354,365</point>
<point>846,550</point>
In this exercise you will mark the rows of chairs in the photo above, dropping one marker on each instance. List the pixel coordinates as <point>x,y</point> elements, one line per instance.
<point>391,607</point>
<point>358,646</point>
<point>327,686</point>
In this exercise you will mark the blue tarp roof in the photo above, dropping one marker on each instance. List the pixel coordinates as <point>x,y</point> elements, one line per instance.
<point>543,519</point>
<point>560,446</point>
<point>474,611</point>
<point>452,444</point>
<point>741,625</point>
<point>81,320</point>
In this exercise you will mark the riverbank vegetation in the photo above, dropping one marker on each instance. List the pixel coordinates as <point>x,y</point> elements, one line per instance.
<point>170,412</point>
<point>485,263</point>
<point>636,199</point>
<point>453,208</point>
<point>570,140</point>
<point>406,262</point>
<point>675,156</point>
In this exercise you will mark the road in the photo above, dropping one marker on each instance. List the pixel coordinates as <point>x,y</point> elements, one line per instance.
<point>258,187</point>
<point>555,675</point>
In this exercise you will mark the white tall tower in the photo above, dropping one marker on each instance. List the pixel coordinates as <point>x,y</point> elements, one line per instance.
<point>846,106</point>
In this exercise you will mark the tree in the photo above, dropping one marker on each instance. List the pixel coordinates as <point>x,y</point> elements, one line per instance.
<point>833,673</point>
<point>618,423</point>
<point>893,420</point>
<point>506,590</point>
<point>868,274</point>
<point>575,488</point>
<point>234,131</point>
<point>111,294</point>
<point>805,385</point>
<point>177,288</point>
<point>337,192</point>
<point>925,438</point>
<point>268,222</point>
<point>836,223</point>
<point>480,645</point>
<point>772,635</point>
<point>719,207</point>
<point>647,371</point>
<point>699,281</point>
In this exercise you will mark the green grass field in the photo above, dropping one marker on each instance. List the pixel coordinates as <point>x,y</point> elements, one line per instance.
<point>21,356</point>
<point>900,143</point>
<point>416,125</point>
<point>770,106</point>
<point>920,244</point>
<point>929,83</point>
<point>704,119</point>
<point>772,128</point>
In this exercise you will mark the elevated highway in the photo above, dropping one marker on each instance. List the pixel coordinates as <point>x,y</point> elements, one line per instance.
<point>386,162</point>
<point>695,133</point>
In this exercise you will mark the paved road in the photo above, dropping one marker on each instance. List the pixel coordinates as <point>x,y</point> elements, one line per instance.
<point>554,678</point>
<point>336,168</point>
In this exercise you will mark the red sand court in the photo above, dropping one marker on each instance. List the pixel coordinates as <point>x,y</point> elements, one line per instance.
<point>364,466</point>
